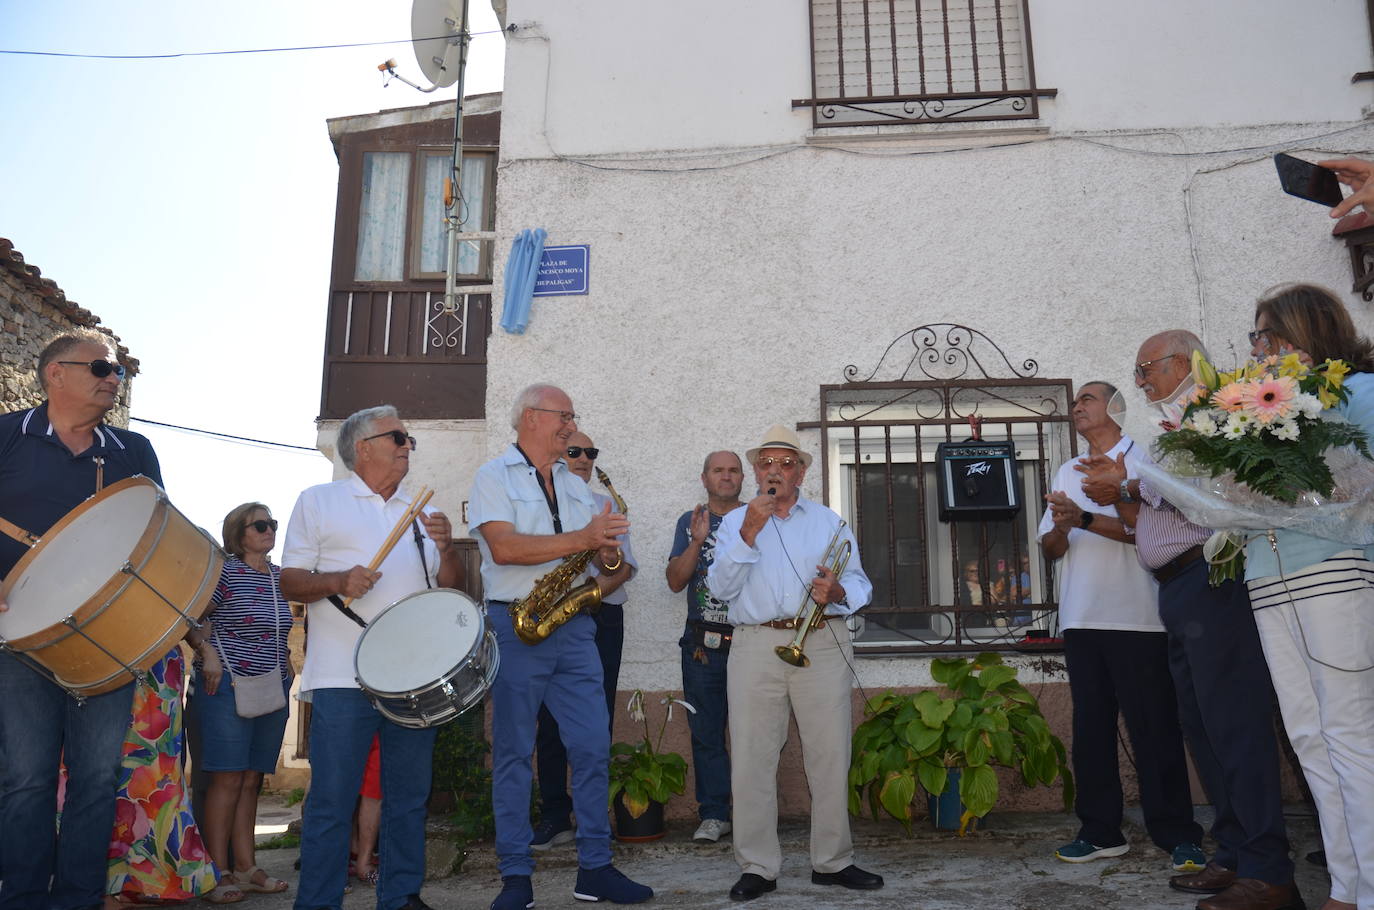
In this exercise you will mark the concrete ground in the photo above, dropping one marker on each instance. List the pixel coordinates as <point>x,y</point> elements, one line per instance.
<point>1010,866</point>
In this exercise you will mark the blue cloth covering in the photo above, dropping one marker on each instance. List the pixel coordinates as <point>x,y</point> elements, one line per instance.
<point>521,269</point>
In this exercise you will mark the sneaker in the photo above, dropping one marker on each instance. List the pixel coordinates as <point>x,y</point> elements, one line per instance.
<point>1080,851</point>
<point>550,834</point>
<point>609,884</point>
<point>516,893</point>
<point>711,830</point>
<point>1189,858</point>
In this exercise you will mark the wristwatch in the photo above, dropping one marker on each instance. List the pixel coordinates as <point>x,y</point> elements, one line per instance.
<point>1125,490</point>
<point>1085,519</point>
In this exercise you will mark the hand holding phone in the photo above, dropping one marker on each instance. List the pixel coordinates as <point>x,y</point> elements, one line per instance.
<point>1307,180</point>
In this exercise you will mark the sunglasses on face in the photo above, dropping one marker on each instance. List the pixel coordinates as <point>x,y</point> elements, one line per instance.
<point>262,526</point>
<point>99,368</point>
<point>786,461</point>
<point>1257,334</point>
<point>401,439</point>
<point>576,452</point>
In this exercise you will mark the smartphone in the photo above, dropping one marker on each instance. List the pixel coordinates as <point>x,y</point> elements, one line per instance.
<point>1307,180</point>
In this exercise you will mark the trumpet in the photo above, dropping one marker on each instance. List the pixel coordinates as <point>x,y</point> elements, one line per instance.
<point>809,614</point>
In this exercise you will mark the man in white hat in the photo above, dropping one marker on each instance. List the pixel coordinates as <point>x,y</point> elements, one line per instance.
<point>768,557</point>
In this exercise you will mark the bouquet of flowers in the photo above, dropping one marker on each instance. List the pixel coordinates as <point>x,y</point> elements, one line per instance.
<point>1267,430</point>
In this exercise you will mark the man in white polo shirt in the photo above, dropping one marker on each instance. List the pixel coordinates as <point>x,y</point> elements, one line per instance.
<point>335,531</point>
<point>1118,659</point>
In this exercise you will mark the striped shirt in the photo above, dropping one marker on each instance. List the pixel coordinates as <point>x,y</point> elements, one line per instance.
<point>243,606</point>
<point>1343,573</point>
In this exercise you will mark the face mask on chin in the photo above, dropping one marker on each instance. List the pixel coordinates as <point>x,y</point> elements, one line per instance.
<point>1171,409</point>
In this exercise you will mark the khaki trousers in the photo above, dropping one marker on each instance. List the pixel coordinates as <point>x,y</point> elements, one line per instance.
<point>762,691</point>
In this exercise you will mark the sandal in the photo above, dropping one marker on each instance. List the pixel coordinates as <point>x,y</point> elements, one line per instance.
<point>269,884</point>
<point>226,891</point>
<point>368,878</point>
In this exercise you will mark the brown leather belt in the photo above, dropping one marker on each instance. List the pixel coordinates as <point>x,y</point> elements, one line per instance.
<point>790,624</point>
<point>1176,565</point>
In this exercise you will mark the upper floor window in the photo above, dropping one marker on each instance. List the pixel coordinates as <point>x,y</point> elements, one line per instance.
<point>879,62</point>
<point>401,230</point>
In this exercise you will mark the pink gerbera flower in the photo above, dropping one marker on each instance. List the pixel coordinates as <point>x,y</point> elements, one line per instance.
<point>1230,397</point>
<point>1271,398</point>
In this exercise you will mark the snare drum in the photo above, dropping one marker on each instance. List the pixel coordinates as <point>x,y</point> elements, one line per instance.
<point>109,589</point>
<point>427,658</point>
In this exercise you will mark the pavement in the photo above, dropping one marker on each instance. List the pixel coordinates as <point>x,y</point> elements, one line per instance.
<point>1008,866</point>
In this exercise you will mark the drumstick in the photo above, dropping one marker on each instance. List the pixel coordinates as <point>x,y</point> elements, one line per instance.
<point>9,529</point>
<point>410,515</point>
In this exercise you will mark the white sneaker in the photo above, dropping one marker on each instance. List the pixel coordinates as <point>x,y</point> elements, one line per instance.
<point>711,830</point>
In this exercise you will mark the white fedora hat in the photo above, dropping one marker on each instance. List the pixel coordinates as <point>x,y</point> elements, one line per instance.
<point>779,437</point>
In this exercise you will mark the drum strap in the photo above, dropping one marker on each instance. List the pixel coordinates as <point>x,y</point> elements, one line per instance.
<point>346,610</point>
<point>420,545</point>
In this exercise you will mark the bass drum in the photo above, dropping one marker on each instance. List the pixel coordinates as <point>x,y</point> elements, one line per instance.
<point>109,589</point>
<point>427,658</point>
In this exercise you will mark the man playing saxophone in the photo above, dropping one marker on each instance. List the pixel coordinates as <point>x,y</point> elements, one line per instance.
<point>531,516</point>
<point>770,563</point>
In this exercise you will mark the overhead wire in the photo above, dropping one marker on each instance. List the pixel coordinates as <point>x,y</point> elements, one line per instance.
<point>229,436</point>
<point>251,50</point>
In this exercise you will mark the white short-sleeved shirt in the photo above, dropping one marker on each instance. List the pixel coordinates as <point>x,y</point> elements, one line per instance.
<point>506,489</point>
<point>769,580</point>
<point>619,595</point>
<point>334,527</point>
<point>1101,583</point>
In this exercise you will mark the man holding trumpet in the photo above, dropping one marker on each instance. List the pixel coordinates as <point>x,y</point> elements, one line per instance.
<point>356,543</point>
<point>778,552</point>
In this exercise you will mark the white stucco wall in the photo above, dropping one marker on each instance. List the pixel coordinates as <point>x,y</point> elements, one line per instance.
<point>727,286</point>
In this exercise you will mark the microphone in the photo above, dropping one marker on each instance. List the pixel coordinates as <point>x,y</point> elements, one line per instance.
<point>772,491</point>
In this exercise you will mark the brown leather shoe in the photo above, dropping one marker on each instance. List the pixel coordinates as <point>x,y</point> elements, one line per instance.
<point>1253,894</point>
<point>1213,879</point>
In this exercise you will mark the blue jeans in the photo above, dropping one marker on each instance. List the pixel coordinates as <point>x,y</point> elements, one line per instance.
<point>342,723</point>
<point>563,672</point>
<point>550,758</point>
<point>703,687</point>
<point>41,726</point>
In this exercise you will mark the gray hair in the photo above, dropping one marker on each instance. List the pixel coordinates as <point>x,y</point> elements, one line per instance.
<point>706,462</point>
<point>61,344</point>
<point>530,397</point>
<point>1181,342</point>
<point>358,426</point>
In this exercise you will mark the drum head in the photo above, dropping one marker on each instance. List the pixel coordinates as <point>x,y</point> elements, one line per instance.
<point>73,562</point>
<point>416,641</point>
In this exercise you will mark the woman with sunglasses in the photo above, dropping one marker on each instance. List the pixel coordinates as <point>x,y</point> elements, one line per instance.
<point>250,621</point>
<point>1314,606</point>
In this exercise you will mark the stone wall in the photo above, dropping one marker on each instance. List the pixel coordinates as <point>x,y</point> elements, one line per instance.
<point>32,310</point>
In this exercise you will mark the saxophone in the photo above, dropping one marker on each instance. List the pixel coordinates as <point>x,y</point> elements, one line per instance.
<point>553,600</point>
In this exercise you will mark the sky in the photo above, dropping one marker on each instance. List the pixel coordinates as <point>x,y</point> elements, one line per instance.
<point>189,203</point>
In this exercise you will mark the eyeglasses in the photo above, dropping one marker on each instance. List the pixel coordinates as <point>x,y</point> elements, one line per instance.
<point>576,452</point>
<point>1257,334</point>
<point>565,416</point>
<point>786,461</point>
<point>99,368</point>
<point>262,526</point>
<point>1140,367</point>
<point>401,439</point>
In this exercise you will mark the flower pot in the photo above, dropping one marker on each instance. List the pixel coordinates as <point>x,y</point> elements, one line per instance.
<point>947,809</point>
<point>648,826</point>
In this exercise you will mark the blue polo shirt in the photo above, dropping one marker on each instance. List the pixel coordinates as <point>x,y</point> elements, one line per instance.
<point>41,480</point>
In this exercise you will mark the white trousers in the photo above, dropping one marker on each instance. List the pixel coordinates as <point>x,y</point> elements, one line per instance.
<point>1320,652</point>
<point>763,690</point>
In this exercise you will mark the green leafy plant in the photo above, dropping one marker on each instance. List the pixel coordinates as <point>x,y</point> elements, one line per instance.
<point>460,767</point>
<point>641,771</point>
<point>980,718</point>
<point>297,795</point>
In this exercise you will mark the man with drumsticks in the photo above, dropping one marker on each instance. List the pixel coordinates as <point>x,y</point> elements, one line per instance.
<point>769,556</point>
<point>336,529</point>
<point>52,458</point>
<point>529,512</point>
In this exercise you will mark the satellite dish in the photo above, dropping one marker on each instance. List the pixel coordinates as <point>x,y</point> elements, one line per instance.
<point>435,27</point>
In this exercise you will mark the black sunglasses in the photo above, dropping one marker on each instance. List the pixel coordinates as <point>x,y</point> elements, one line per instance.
<point>261,526</point>
<point>99,368</point>
<point>397,437</point>
<point>576,452</point>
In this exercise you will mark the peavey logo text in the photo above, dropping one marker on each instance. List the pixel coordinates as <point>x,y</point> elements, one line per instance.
<point>978,467</point>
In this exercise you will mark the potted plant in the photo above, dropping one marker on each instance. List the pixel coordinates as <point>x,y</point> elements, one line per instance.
<point>643,777</point>
<point>981,717</point>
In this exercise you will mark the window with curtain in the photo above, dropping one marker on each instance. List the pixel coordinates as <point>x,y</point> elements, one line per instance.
<point>433,243</point>
<point>382,217</point>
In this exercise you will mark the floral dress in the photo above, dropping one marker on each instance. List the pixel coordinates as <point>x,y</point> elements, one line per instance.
<point>156,852</point>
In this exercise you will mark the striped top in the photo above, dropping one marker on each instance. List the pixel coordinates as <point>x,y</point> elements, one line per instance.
<point>1161,531</point>
<point>1346,572</point>
<point>242,607</point>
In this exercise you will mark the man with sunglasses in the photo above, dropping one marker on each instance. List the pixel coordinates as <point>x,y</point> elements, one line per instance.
<point>551,759</point>
<point>1225,697</point>
<point>335,531</point>
<point>52,458</point>
<point>768,559</point>
<point>529,512</point>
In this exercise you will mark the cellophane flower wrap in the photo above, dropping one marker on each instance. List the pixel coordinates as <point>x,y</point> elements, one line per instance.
<point>1262,448</point>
